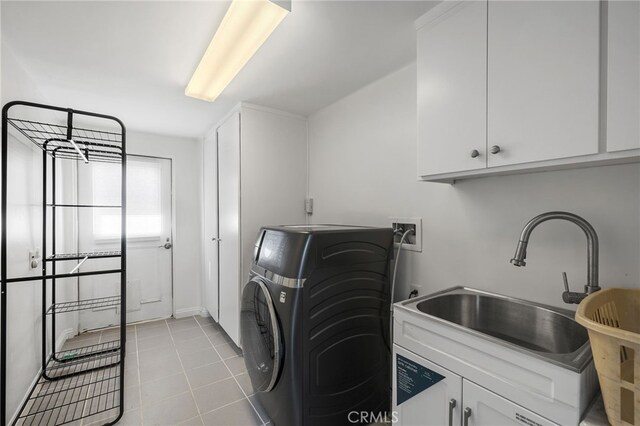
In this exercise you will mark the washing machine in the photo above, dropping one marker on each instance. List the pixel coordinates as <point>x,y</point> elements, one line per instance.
<point>315,323</point>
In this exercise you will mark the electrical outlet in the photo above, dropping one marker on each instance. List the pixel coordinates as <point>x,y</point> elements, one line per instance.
<point>413,241</point>
<point>308,206</point>
<point>34,258</point>
<point>417,288</point>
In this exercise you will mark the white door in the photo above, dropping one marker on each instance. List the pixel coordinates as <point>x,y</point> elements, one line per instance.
<point>452,109</point>
<point>230,282</point>
<point>423,392</point>
<point>149,240</point>
<point>485,408</point>
<point>543,80</point>
<point>210,243</point>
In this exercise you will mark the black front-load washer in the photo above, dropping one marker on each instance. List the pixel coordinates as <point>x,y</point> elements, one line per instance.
<point>315,323</point>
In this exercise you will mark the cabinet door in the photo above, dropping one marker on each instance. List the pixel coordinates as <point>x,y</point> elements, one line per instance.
<point>485,408</point>
<point>452,70</point>
<point>423,392</point>
<point>543,80</point>
<point>229,226</point>
<point>623,76</point>
<point>210,221</point>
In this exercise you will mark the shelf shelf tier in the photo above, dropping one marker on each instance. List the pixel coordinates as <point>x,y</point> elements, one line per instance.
<point>85,144</point>
<point>91,206</point>
<point>92,396</point>
<point>79,256</point>
<point>76,361</point>
<point>81,305</point>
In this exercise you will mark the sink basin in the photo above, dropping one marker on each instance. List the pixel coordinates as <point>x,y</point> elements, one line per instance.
<point>545,332</point>
<point>528,326</point>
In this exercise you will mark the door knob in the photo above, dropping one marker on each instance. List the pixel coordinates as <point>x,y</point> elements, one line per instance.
<point>475,153</point>
<point>166,245</point>
<point>495,149</point>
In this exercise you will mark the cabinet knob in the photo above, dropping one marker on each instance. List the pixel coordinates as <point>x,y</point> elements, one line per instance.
<point>475,153</point>
<point>495,149</point>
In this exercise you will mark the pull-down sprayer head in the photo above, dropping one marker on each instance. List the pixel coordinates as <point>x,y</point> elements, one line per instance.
<point>592,249</point>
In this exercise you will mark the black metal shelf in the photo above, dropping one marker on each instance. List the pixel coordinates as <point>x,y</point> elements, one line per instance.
<point>73,398</point>
<point>63,275</point>
<point>79,144</point>
<point>78,256</point>
<point>82,305</point>
<point>84,382</point>
<point>92,206</point>
<point>69,357</point>
<point>73,362</point>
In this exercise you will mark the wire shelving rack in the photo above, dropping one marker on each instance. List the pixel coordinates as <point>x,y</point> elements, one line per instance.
<point>86,381</point>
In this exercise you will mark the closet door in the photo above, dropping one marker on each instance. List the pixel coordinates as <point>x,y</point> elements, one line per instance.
<point>210,243</point>
<point>543,80</point>
<point>229,226</point>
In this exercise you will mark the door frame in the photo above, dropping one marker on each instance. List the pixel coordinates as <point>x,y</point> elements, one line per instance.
<point>173,221</point>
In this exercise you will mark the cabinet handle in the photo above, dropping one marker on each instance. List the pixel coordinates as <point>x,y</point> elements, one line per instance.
<point>467,414</point>
<point>495,149</point>
<point>475,153</point>
<point>452,405</point>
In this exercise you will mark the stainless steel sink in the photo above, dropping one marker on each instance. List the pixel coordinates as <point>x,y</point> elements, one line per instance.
<point>543,331</point>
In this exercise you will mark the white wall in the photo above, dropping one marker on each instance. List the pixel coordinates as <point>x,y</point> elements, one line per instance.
<point>363,170</point>
<point>186,159</point>
<point>24,233</point>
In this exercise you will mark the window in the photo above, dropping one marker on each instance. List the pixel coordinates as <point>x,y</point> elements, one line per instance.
<point>144,199</point>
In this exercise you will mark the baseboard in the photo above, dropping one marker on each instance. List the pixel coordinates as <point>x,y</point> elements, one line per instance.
<point>24,398</point>
<point>60,341</point>
<point>187,312</point>
<point>63,337</point>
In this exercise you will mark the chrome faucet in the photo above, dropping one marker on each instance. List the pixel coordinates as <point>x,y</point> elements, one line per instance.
<point>592,252</point>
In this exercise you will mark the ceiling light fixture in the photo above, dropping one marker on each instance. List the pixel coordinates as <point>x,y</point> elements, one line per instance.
<point>245,27</point>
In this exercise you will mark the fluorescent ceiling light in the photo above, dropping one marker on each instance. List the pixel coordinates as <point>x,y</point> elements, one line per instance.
<point>245,27</point>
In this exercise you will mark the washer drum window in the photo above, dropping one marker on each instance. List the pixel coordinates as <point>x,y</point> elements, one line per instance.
<point>261,336</point>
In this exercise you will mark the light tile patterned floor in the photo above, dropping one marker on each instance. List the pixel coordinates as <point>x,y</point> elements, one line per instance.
<point>183,372</point>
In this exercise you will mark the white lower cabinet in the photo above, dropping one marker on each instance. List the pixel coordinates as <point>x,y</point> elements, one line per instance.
<point>426,394</point>
<point>413,404</point>
<point>482,407</point>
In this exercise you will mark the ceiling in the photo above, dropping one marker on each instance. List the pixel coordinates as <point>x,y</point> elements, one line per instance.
<point>133,59</point>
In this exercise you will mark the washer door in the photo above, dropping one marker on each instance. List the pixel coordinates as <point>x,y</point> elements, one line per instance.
<point>261,336</point>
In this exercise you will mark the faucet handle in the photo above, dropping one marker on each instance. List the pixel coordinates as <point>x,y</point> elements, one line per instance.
<point>570,296</point>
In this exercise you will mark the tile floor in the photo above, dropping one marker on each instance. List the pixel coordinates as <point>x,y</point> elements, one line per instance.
<point>182,372</point>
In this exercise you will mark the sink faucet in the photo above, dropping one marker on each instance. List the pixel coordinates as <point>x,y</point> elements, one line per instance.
<point>592,252</point>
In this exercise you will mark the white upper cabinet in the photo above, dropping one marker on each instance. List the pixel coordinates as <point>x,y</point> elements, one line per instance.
<point>513,86</point>
<point>623,76</point>
<point>543,80</point>
<point>452,78</point>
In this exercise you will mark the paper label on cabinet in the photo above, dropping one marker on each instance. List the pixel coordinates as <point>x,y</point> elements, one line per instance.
<point>413,378</point>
